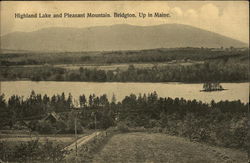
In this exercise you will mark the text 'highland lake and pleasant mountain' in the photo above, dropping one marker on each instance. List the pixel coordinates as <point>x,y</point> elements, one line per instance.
<point>93,15</point>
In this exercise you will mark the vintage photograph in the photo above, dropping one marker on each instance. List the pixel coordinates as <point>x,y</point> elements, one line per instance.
<point>124,82</point>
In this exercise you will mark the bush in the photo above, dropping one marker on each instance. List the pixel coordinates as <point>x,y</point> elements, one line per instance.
<point>5,151</point>
<point>46,128</point>
<point>154,123</point>
<point>27,151</point>
<point>156,130</point>
<point>87,150</point>
<point>111,130</point>
<point>32,151</point>
<point>122,127</point>
<point>53,151</point>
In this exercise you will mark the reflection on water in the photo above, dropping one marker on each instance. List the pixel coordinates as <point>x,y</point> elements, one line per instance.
<point>235,91</point>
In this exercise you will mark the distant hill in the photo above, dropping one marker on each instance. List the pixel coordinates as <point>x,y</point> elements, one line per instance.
<point>116,37</point>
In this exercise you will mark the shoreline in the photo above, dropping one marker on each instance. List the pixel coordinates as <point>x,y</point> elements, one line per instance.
<point>137,82</point>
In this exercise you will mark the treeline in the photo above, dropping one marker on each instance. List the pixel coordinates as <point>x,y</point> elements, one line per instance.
<point>166,55</point>
<point>36,107</point>
<point>132,56</point>
<point>32,151</point>
<point>221,123</point>
<point>209,71</point>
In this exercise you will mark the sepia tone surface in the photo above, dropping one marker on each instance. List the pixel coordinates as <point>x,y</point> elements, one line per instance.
<point>124,81</point>
<point>213,16</point>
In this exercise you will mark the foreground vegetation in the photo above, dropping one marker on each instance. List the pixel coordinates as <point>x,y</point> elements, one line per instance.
<point>158,147</point>
<point>117,145</point>
<point>221,123</point>
<point>32,151</point>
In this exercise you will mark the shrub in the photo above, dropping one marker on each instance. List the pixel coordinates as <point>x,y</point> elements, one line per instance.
<point>157,129</point>
<point>32,151</point>
<point>27,151</point>
<point>111,130</point>
<point>53,151</point>
<point>122,127</point>
<point>5,151</point>
<point>87,150</point>
<point>46,128</point>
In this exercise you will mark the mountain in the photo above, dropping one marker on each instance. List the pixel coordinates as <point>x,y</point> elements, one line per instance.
<point>116,37</point>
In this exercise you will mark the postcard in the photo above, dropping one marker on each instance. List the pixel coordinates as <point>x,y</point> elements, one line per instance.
<point>124,81</point>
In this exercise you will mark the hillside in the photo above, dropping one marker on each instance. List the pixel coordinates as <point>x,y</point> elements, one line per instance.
<point>116,37</point>
<point>155,147</point>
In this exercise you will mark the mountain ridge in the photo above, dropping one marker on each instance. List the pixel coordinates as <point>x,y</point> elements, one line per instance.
<point>116,37</point>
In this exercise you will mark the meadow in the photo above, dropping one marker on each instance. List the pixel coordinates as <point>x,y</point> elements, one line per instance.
<point>158,147</point>
<point>19,137</point>
<point>133,145</point>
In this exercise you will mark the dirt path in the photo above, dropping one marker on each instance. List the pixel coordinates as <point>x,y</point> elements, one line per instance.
<point>154,148</point>
<point>81,141</point>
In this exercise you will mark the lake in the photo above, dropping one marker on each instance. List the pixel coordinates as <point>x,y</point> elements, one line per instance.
<point>235,91</point>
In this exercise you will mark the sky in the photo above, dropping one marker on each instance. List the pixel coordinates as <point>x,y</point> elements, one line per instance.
<point>229,18</point>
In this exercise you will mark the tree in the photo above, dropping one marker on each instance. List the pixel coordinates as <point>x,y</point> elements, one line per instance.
<point>96,101</point>
<point>69,101</point>
<point>113,100</point>
<point>91,100</point>
<point>104,100</point>
<point>5,116</point>
<point>82,100</point>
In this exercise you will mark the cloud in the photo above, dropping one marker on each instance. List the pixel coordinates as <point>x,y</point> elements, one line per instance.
<point>227,18</point>
<point>231,20</point>
<point>192,14</point>
<point>176,11</point>
<point>209,11</point>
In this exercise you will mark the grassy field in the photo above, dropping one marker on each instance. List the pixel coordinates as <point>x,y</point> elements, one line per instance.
<point>124,66</point>
<point>112,67</point>
<point>64,139</point>
<point>16,137</point>
<point>145,147</point>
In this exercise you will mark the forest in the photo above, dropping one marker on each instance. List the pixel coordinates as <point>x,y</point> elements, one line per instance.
<point>168,65</point>
<point>218,71</point>
<point>222,123</point>
<point>130,56</point>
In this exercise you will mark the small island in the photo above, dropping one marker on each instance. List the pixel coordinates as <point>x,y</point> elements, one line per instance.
<point>212,86</point>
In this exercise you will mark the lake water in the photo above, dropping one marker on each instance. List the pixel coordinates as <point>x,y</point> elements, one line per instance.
<point>235,91</point>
